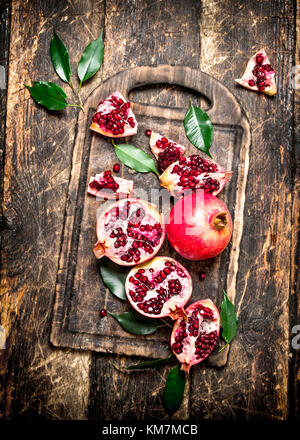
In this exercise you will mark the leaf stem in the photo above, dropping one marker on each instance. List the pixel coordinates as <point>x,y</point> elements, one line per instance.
<point>223,347</point>
<point>77,94</point>
<point>75,105</point>
<point>166,323</point>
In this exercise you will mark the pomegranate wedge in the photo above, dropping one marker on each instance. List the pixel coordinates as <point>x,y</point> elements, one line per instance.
<point>108,186</point>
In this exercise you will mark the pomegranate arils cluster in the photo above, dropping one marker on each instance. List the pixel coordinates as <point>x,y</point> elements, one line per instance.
<point>114,117</point>
<point>159,288</point>
<point>107,186</point>
<point>259,74</point>
<point>189,168</point>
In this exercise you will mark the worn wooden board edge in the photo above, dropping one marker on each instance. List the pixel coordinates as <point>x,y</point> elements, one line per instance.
<point>59,335</point>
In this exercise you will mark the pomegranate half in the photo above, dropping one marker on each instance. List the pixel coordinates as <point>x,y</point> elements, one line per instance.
<point>114,117</point>
<point>129,231</point>
<point>194,338</point>
<point>161,287</point>
<point>199,226</point>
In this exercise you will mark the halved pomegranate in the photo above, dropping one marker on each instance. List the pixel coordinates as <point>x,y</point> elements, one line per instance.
<point>129,231</point>
<point>259,74</point>
<point>161,287</point>
<point>194,338</point>
<point>108,186</point>
<point>114,117</point>
<point>194,172</point>
<point>165,150</point>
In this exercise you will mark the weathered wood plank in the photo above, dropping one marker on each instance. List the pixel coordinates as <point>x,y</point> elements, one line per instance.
<point>37,166</point>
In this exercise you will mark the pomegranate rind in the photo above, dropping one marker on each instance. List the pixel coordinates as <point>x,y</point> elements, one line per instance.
<point>125,188</point>
<point>191,230</point>
<point>105,245</point>
<point>173,307</point>
<point>170,181</point>
<point>271,88</point>
<point>157,150</point>
<point>187,358</point>
<point>128,130</point>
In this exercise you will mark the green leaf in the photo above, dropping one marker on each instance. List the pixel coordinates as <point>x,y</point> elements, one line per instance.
<point>91,59</point>
<point>136,323</point>
<point>150,364</point>
<point>198,128</point>
<point>174,389</point>
<point>48,94</point>
<point>60,58</point>
<point>114,277</point>
<point>135,158</point>
<point>229,320</point>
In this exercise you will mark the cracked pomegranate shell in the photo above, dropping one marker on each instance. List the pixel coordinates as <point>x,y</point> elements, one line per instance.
<point>259,75</point>
<point>199,226</point>
<point>114,117</point>
<point>165,150</point>
<point>158,288</point>
<point>108,186</point>
<point>194,338</point>
<point>129,231</point>
<point>194,172</point>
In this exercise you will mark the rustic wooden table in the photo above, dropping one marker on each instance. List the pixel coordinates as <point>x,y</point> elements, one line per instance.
<point>261,380</point>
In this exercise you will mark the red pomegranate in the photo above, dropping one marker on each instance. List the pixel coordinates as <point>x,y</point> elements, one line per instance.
<point>199,226</point>
<point>165,150</point>
<point>114,117</point>
<point>108,186</point>
<point>129,231</point>
<point>194,337</point>
<point>194,172</point>
<point>161,287</point>
<point>259,75</point>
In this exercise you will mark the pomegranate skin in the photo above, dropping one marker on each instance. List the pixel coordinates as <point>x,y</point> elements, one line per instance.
<point>199,226</point>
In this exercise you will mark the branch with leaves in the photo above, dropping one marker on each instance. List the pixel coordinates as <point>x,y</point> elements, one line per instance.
<point>49,94</point>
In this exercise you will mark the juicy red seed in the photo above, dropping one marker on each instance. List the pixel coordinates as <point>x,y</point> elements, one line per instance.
<point>148,133</point>
<point>102,313</point>
<point>251,83</point>
<point>201,276</point>
<point>116,168</point>
<point>259,58</point>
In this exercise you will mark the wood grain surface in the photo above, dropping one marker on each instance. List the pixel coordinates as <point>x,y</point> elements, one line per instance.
<point>261,377</point>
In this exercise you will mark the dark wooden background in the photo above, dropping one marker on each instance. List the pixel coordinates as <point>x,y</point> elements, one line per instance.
<point>37,380</point>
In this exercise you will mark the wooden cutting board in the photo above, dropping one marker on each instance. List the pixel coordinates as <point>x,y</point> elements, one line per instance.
<point>80,292</point>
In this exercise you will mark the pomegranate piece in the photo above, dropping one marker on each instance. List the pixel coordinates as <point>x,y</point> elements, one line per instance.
<point>259,74</point>
<point>199,226</point>
<point>129,231</point>
<point>110,187</point>
<point>165,150</point>
<point>194,172</point>
<point>161,287</point>
<point>194,338</point>
<point>114,117</point>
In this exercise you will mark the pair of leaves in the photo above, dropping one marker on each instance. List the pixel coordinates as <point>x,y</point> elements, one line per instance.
<point>49,94</point>
<point>229,320</point>
<point>135,158</point>
<point>88,65</point>
<point>199,128</point>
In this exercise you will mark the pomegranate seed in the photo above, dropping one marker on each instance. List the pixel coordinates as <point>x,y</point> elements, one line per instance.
<point>148,133</point>
<point>251,83</point>
<point>102,313</point>
<point>116,168</point>
<point>259,58</point>
<point>201,276</point>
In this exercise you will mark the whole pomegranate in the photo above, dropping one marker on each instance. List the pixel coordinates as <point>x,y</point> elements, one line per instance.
<point>129,231</point>
<point>199,226</point>
<point>161,287</point>
<point>194,337</point>
<point>188,174</point>
<point>114,117</point>
<point>259,75</point>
